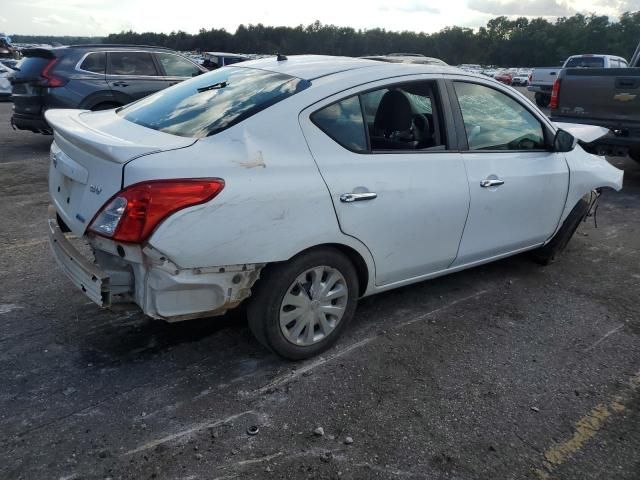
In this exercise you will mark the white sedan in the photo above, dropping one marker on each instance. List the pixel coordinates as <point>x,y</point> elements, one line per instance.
<point>6,74</point>
<point>300,185</point>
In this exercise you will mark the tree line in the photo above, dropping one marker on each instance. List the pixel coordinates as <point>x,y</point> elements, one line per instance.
<point>519,42</point>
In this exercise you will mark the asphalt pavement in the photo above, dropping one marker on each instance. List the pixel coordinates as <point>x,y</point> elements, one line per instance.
<point>507,371</point>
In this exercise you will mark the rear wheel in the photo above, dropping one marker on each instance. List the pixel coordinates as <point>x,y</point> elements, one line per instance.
<point>542,100</point>
<point>300,308</point>
<point>105,106</point>
<point>548,253</point>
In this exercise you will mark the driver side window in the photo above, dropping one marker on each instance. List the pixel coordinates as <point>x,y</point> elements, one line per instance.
<point>495,121</point>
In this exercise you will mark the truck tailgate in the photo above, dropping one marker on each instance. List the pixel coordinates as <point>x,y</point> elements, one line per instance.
<point>609,95</point>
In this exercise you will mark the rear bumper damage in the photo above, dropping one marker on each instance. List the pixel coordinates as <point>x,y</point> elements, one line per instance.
<point>144,276</point>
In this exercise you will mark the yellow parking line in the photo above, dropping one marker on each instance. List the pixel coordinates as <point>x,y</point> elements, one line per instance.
<point>586,428</point>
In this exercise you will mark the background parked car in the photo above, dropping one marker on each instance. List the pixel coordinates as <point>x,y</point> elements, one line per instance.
<point>542,79</point>
<point>5,81</point>
<point>213,60</point>
<point>520,80</point>
<point>504,76</point>
<point>604,97</point>
<point>407,58</point>
<point>91,77</point>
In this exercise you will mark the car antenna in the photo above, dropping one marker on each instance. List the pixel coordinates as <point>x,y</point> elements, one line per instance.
<point>281,57</point>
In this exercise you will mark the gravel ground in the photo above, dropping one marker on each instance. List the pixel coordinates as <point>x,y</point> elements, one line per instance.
<point>506,371</point>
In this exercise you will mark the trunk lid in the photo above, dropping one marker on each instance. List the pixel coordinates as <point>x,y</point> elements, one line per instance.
<point>88,156</point>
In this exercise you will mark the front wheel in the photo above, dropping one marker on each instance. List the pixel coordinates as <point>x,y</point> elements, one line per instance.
<point>548,253</point>
<point>299,308</point>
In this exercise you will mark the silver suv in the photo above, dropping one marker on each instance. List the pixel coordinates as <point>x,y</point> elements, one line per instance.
<point>92,77</point>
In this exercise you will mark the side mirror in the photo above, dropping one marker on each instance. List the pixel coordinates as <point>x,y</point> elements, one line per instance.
<point>564,141</point>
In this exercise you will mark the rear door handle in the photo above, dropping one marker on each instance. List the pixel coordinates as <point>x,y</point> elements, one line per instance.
<point>491,182</point>
<point>120,84</point>
<point>357,197</point>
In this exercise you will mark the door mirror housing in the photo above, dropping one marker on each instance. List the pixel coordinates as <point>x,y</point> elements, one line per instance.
<point>564,141</point>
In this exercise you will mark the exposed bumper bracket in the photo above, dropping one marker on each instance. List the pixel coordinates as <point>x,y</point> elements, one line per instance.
<point>84,274</point>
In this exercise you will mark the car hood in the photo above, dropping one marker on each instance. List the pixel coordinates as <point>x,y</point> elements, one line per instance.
<point>584,133</point>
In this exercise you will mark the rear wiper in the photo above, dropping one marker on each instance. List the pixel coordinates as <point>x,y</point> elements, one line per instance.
<point>215,86</point>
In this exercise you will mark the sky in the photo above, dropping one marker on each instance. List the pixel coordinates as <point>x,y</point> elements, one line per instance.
<point>100,17</point>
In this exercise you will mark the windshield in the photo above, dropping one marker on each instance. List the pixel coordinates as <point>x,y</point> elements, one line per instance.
<point>212,102</point>
<point>585,62</point>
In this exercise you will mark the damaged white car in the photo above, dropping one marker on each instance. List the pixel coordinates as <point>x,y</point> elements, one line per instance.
<point>300,185</point>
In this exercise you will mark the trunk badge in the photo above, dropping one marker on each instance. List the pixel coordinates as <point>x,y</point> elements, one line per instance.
<point>95,189</point>
<point>80,217</point>
<point>624,97</point>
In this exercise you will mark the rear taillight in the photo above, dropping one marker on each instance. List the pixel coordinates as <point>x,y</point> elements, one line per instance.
<point>132,214</point>
<point>555,94</point>
<point>530,77</point>
<point>49,79</point>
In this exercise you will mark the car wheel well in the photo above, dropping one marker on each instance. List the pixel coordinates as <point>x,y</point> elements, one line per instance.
<point>356,259</point>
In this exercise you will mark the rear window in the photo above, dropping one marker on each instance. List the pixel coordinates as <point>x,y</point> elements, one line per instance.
<point>132,63</point>
<point>585,62</point>
<point>212,102</point>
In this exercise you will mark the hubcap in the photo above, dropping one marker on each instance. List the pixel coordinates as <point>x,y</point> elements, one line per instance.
<point>313,305</point>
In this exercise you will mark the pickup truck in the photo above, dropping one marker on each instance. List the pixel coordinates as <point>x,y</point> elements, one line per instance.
<point>606,97</point>
<point>541,79</point>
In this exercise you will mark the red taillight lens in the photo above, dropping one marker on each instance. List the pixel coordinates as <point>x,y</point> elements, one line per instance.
<point>555,94</point>
<point>49,79</point>
<point>133,214</point>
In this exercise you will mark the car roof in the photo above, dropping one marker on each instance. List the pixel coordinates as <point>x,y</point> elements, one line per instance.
<point>310,67</point>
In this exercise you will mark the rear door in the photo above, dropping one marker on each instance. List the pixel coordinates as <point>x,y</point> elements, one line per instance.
<point>518,187</point>
<point>132,75</point>
<point>176,68</point>
<point>396,183</point>
<point>28,95</point>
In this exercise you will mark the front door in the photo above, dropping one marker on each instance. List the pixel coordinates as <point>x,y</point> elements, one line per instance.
<point>518,187</point>
<point>394,183</point>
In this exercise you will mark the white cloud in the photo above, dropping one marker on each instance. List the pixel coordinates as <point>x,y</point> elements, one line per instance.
<point>51,19</point>
<point>415,6</point>
<point>527,8</point>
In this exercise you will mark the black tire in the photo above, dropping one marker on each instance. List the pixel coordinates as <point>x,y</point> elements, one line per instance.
<point>263,309</point>
<point>105,106</point>
<point>634,153</point>
<point>548,253</point>
<point>542,100</point>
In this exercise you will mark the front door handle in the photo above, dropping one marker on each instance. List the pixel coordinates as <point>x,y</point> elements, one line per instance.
<point>120,84</point>
<point>357,197</point>
<point>491,182</point>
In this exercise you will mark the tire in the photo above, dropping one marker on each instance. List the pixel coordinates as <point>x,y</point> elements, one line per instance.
<point>542,100</point>
<point>105,106</point>
<point>548,253</point>
<point>634,153</point>
<point>294,279</point>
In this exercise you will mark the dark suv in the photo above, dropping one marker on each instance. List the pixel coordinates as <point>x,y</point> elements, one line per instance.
<point>91,77</point>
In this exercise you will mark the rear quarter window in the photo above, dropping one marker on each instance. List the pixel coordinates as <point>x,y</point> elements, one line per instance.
<point>94,62</point>
<point>212,102</point>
